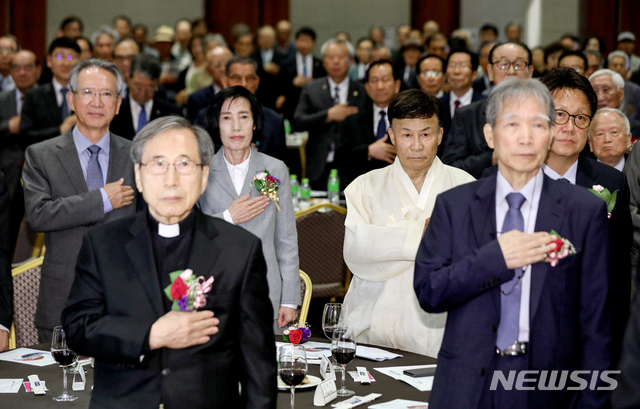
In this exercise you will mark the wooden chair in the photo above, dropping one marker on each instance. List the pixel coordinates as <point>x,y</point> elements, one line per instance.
<point>306,289</point>
<point>26,285</point>
<point>320,241</point>
<point>29,245</point>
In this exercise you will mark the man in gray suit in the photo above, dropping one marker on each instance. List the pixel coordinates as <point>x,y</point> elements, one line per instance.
<point>64,183</point>
<point>24,72</point>
<point>324,104</point>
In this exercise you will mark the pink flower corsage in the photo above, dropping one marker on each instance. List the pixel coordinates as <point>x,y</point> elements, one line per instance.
<point>563,249</point>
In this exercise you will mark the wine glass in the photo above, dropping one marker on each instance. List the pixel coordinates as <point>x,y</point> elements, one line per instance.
<point>331,318</point>
<point>343,349</point>
<point>292,367</point>
<point>65,357</point>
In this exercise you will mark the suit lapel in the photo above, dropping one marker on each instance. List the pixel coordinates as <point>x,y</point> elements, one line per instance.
<point>256,166</point>
<point>126,118</point>
<point>550,216</point>
<point>220,174</point>
<point>585,176</point>
<point>155,110</point>
<point>203,252</point>
<point>68,157</point>
<point>327,93</point>
<point>140,253</point>
<point>353,94</point>
<point>52,103</point>
<point>369,129</point>
<point>117,159</point>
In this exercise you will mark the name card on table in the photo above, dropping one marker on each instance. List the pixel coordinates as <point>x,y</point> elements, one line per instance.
<point>325,392</point>
<point>326,369</point>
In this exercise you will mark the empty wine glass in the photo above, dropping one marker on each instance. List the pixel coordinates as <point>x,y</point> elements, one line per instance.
<point>331,318</point>
<point>343,349</point>
<point>65,357</point>
<point>292,367</point>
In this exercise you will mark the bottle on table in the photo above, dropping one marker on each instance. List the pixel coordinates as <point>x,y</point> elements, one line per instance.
<point>305,194</point>
<point>295,190</point>
<point>333,187</point>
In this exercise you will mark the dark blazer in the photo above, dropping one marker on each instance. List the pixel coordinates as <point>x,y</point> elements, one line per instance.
<point>198,100</point>
<point>270,86</point>
<point>288,72</point>
<point>40,117</point>
<point>398,72</point>
<point>466,148</point>
<point>122,124</point>
<point>311,116</point>
<point>352,149</point>
<point>57,203</point>
<point>6,252</point>
<point>460,267</point>
<point>116,297</point>
<point>270,141</point>
<point>446,116</point>
<point>11,155</point>
<point>590,173</point>
<point>626,396</point>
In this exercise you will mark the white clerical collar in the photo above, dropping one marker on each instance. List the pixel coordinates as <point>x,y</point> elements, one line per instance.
<point>168,230</point>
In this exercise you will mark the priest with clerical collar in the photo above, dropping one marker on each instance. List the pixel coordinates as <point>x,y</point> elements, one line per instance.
<point>155,341</point>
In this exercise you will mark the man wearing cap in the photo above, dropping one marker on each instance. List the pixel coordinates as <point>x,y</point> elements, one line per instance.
<point>163,42</point>
<point>627,43</point>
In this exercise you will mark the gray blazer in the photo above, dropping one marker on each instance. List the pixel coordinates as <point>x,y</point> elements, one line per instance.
<point>277,230</point>
<point>57,203</point>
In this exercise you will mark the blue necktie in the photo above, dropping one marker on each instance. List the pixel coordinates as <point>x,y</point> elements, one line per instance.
<point>510,291</point>
<point>142,118</point>
<point>564,180</point>
<point>382,126</point>
<point>64,108</point>
<point>94,171</point>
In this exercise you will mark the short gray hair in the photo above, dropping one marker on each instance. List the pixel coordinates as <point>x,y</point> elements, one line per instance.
<point>514,88</point>
<point>619,53</point>
<point>625,120</point>
<point>213,37</point>
<point>616,78</point>
<point>98,63</point>
<point>241,60</point>
<point>160,125</point>
<point>352,51</point>
<point>105,30</point>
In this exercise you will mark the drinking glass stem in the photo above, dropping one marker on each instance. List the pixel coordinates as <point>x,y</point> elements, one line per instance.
<point>64,380</point>
<point>293,397</point>
<point>344,370</point>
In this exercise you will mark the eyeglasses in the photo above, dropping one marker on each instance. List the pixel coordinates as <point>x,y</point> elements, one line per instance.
<point>7,50</point>
<point>27,68</point>
<point>581,121</point>
<point>124,57</point>
<point>461,67</point>
<point>432,74</point>
<point>87,94</point>
<point>159,167</point>
<point>66,57</point>
<point>504,65</point>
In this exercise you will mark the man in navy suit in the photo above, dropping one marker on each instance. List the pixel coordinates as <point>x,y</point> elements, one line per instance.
<point>461,69</point>
<point>482,260</point>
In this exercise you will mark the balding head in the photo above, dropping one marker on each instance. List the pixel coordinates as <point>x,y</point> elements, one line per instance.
<point>217,59</point>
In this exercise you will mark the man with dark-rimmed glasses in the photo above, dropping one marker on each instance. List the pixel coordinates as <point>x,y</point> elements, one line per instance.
<point>466,147</point>
<point>576,103</point>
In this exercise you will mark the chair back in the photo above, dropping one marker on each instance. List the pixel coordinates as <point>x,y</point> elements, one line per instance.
<point>320,242</point>
<point>29,244</point>
<point>306,289</point>
<point>26,285</point>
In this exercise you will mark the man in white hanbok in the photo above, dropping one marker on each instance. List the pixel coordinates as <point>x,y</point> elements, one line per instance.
<point>388,211</point>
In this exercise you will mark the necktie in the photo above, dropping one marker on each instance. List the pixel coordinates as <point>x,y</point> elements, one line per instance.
<point>142,118</point>
<point>336,96</point>
<point>564,180</point>
<point>510,291</point>
<point>456,104</point>
<point>64,108</point>
<point>382,126</point>
<point>304,68</point>
<point>94,171</point>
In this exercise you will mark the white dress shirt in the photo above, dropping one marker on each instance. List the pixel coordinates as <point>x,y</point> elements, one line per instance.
<point>302,61</point>
<point>465,99</point>
<point>135,111</point>
<point>570,174</point>
<point>57,87</point>
<point>531,191</point>
<point>267,56</point>
<point>343,89</point>
<point>620,164</point>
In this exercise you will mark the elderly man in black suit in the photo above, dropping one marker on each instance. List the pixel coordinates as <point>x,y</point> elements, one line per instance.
<point>576,103</point>
<point>324,104</point>
<point>142,105</point>
<point>217,59</point>
<point>364,144</point>
<point>466,147</point>
<point>46,112</point>
<point>76,181</point>
<point>149,351</point>
<point>269,61</point>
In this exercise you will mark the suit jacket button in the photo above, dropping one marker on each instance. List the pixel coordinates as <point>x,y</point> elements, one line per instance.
<point>495,328</point>
<point>165,371</point>
<point>482,371</point>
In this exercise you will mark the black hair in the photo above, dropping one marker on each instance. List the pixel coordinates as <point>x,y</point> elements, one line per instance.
<point>600,43</point>
<point>121,17</point>
<point>568,78</point>
<point>72,19</point>
<point>424,57</point>
<point>414,103</point>
<point>432,37</point>
<point>474,58</point>
<point>379,62</point>
<point>88,42</point>
<point>518,43</point>
<point>64,42</point>
<point>552,48</point>
<point>235,92</point>
<point>306,31</point>
<point>577,53</point>
<point>364,39</point>
<point>491,27</point>
<point>146,64</point>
